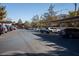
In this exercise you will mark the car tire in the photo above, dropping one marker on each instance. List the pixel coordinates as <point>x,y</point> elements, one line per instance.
<point>3,32</point>
<point>47,32</point>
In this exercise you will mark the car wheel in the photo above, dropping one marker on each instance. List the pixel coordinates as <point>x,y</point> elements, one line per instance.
<point>47,32</point>
<point>6,32</point>
<point>0,33</point>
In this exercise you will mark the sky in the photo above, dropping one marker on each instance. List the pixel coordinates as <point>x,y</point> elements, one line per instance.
<point>26,11</point>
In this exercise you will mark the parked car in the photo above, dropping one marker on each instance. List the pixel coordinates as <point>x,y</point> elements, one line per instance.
<point>37,29</point>
<point>69,33</point>
<point>3,29</point>
<point>8,27</point>
<point>45,30</point>
<point>12,28</point>
<point>54,30</point>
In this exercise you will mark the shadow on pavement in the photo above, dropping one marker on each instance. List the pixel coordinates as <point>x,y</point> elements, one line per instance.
<point>72,45</point>
<point>50,53</point>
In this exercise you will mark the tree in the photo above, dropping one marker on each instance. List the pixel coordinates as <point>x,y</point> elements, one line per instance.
<point>71,14</point>
<point>51,11</point>
<point>48,16</point>
<point>75,12</point>
<point>20,24</point>
<point>51,15</point>
<point>26,24</point>
<point>45,16</point>
<point>2,12</point>
<point>35,20</point>
<point>19,21</point>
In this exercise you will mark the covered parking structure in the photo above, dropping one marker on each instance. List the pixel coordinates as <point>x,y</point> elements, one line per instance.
<point>70,22</point>
<point>5,22</point>
<point>66,22</point>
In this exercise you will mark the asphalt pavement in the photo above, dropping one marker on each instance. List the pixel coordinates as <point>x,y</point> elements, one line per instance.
<point>23,42</point>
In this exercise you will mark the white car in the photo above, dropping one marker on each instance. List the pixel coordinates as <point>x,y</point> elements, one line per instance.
<point>54,29</point>
<point>5,30</point>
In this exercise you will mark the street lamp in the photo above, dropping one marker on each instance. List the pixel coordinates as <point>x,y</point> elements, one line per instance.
<point>75,6</point>
<point>75,9</point>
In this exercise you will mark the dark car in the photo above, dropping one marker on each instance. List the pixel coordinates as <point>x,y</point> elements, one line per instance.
<point>44,30</point>
<point>70,33</point>
<point>1,29</point>
<point>11,28</point>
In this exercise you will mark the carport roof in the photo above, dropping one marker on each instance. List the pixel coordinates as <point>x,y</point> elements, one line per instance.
<point>66,19</point>
<point>3,21</point>
<point>70,18</point>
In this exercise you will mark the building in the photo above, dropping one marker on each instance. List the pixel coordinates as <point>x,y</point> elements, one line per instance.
<point>6,21</point>
<point>66,22</point>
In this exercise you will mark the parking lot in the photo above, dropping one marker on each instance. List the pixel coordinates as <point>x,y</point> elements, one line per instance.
<point>30,43</point>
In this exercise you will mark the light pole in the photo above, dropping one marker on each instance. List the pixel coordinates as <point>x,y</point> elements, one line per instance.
<point>75,9</point>
<point>75,6</point>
